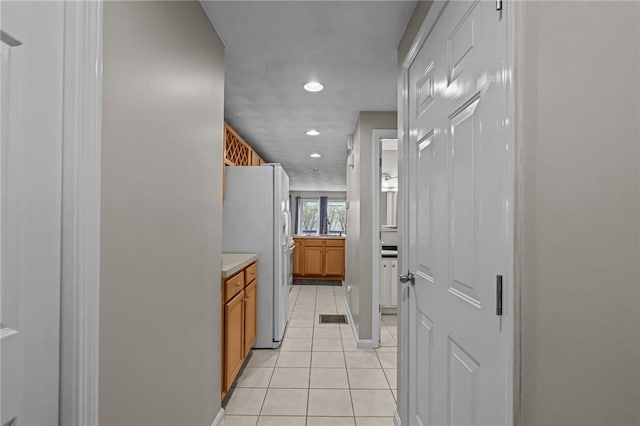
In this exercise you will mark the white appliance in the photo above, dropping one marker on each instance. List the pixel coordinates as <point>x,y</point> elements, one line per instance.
<point>257,219</point>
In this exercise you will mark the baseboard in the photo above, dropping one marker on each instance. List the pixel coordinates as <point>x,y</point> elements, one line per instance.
<point>360,343</point>
<point>396,418</point>
<point>219,418</point>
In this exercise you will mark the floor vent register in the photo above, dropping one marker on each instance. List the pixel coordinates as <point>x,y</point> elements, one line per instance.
<point>333,319</point>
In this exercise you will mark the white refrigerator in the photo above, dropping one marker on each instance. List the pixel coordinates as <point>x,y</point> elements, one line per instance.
<point>257,219</point>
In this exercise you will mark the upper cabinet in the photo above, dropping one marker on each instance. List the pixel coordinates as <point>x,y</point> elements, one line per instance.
<point>237,152</point>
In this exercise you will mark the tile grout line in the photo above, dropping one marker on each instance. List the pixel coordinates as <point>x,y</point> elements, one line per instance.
<point>313,353</point>
<point>353,410</point>
<point>269,384</point>
<point>313,331</point>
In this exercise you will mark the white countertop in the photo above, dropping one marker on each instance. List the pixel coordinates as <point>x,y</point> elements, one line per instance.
<point>234,262</point>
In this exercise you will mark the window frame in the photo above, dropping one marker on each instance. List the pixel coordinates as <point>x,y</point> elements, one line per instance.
<point>301,230</point>
<point>344,206</point>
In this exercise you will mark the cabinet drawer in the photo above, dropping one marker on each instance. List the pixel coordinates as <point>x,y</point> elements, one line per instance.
<point>313,243</point>
<point>233,285</point>
<point>250,273</point>
<point>334,243</point>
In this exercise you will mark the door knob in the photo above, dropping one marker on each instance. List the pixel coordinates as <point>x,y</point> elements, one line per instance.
<point>409,277</point>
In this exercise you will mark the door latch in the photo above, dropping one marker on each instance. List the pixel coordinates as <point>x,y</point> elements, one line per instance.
<point>409,277</point>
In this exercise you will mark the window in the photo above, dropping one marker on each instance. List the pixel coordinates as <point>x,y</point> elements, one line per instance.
<point>336,217</point>
<point>310,216</point>
<point>313,221</point>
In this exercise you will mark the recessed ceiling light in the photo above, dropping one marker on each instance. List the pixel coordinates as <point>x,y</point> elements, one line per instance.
<point>313,86</point>
<point>312,132</point>
<point>315,155</point>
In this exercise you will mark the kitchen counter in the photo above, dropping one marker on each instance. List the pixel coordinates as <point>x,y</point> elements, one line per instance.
<point>234,262</point>
<point>319,237</point>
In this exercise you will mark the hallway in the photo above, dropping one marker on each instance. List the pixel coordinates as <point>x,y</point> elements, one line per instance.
<point>318,376</point>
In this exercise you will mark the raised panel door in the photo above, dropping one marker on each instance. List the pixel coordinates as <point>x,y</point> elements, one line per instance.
<point>313,257</point>
<point>298,261</point>
<point>334,261</point>
<point>459,224</point>
<point>31,176</point>
<point>233,338</point>
<point>250,318</point>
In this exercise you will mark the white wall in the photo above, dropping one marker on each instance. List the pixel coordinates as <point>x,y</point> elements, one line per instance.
<point>360,232</point>
<point>160,354</point>
<point>578,107</point>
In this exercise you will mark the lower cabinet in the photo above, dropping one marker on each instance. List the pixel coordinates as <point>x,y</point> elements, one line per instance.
<point>319,258</point>
<point>313,259</point>
<point>239,322</point>
<point>334,258</point>
<point>250,316</point>
<point>233,333</point>
<point>298,254</point>
<point>389,282</point>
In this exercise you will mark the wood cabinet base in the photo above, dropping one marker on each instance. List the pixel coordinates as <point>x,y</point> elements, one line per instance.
<point>239,309</point>
<point>317,277</point>
<point>319,259</point>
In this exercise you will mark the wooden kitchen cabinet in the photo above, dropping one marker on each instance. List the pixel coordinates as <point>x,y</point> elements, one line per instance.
<point>239,322</point>
<point>233,337</point>
<point>250,316</point>
<point>237,152</point>
<point>255,158</point>
<point>314,260</point>
<point>334,260</point>
<point>319,258</point>
<point>298,253</point>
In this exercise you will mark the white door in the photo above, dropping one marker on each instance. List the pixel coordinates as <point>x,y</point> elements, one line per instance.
<point>459,207</point>
<point>30,214</point>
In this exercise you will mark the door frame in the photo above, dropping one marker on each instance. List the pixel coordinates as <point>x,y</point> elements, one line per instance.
<point>81,183</point>
<point>376,253</point>
<point>512,282</point>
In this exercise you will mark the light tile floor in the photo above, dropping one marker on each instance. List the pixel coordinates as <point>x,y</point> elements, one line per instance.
<point>318,377</point>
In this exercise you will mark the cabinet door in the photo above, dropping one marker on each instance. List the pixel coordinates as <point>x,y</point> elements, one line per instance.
<point>298,263</point>
<point>334,261</point>
<point>313,256</point>
<point>393,277</point>
<point>233,338</point>
<point>250,310</point>
<point>385,291</point>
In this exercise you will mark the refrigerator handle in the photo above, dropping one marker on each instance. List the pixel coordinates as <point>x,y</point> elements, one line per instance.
<point>290,234</point>
<point>285,228</point>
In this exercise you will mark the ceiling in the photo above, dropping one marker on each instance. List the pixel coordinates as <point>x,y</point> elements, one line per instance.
<point>274,47</point>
